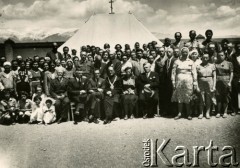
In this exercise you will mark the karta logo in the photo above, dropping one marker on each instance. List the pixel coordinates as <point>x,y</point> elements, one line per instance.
<point>154,153</point>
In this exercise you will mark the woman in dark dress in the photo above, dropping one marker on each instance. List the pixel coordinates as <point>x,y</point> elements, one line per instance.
<point>224,70</point>
<point>37,77</point>
<point>129,97</point>
<point>235,97</point>
<point>24,79</point>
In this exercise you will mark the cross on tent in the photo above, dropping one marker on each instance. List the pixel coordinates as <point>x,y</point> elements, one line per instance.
<point>111,2</point>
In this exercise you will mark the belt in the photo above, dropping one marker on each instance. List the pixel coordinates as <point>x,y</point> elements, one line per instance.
<point>205,76</point>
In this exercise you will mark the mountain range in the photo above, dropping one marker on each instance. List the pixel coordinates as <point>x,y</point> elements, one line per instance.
<point>41,36</point>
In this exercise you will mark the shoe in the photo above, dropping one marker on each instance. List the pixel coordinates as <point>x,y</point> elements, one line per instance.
<point>177,117</point>
<point>59,121</point>
<point>126,117</point>
<point>105,122</point>
<point>233,114</point>
<point>90,119</point>
<point>208,116</point>
<point>96,121</point>
<point>132,116</point>
<point>224,115</point>
<point>156,115</point>
<point>13,123</point>
<point>189,118</point>
<point>145,116</point>
<point>75,122</point>
<point>200,116</point>
<point>116,119</point>
<point>86,119</point>
<point>40,123</point>
<point>218,115</point>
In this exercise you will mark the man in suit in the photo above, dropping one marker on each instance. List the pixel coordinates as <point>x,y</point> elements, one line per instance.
<point>86,66</point>
<point>54,54</point>
<point>115,63</point>
<point>147,84</point>
<point>77,92</point>
<point>58,91</point>
<point>169,107</point>
<point>95,88</point>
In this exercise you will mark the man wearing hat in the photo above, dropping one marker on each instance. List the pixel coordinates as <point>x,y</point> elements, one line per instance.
<point>7,78</point>
<point>58,91</point>
<point>147,84</point>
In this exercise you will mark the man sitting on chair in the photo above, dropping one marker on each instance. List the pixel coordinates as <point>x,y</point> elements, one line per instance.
<point>147,84</point>
<point>77,93</point>
<point>95,88</point>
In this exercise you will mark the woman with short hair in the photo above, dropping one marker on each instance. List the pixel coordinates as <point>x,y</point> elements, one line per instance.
<point>184,78</point>
<point>206,85</point>
<point>224,71</point>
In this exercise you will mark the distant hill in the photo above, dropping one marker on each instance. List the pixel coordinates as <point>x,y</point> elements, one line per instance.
<point>36,37</point>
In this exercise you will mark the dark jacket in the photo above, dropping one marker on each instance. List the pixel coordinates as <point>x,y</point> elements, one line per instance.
<point>153,80</point>
<point>74,88</point>
<point>57,87</point>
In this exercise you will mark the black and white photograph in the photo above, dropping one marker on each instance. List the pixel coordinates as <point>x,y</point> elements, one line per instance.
<point>119,83</point>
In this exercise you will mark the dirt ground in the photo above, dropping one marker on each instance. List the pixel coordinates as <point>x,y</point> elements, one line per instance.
<point>118,144</point>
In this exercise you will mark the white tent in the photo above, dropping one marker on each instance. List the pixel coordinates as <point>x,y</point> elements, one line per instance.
<point>110,28</point>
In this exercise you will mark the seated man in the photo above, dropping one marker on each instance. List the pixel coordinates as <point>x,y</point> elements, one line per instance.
<point>77,93</point>
<point>113,90</point>
<point>58,91</point>
<point>147,84</point>
<point>96,85</point>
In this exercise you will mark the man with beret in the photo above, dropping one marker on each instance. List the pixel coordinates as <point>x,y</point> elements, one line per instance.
<point>58,91</point>
<point>147,85</point>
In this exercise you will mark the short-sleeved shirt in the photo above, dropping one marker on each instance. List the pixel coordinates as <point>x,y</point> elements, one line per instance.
<point>7,80</point>
<point>224,69</point>
<point>206,71</point>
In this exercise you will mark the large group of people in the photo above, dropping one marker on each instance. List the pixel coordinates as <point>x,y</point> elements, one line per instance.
<point>178,79</point>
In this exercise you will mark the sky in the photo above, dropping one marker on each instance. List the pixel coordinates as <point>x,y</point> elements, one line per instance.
<point>160,16</point>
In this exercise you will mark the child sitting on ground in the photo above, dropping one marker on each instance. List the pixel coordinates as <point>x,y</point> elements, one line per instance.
<point>8,109</point>
<point>49,112</point>
<point>25,108</point>
<point>37,113</point>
